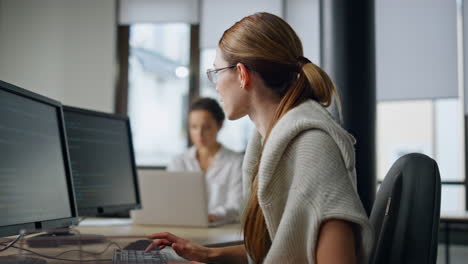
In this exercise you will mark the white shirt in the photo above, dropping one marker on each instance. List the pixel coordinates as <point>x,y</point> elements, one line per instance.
<point>223,180</point>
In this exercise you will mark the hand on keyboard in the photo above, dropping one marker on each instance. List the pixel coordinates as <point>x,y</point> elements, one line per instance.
<point>182,247</point>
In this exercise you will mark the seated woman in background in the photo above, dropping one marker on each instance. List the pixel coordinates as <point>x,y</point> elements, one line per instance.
<point>222,167</point>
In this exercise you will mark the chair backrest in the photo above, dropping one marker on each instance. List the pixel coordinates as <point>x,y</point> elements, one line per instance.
<point>406,211</point>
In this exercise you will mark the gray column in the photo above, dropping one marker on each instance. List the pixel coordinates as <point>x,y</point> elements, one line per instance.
<point>348,55</point>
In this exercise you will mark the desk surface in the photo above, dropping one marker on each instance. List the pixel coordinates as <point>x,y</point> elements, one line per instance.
<point>205,236</point>
<point>126,233</point>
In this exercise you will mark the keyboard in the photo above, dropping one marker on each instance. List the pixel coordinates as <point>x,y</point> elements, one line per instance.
<point>138,256</point>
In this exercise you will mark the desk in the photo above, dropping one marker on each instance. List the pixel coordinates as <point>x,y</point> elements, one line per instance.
<point>125,234</point>
<point>213,236</point>
<point>447,218</point>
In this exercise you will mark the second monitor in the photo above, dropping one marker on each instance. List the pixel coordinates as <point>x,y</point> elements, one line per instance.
<point>102,162</point>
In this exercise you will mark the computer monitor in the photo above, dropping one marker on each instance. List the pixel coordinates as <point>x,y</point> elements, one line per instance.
<point>36,189</point>
<point>102,162</point>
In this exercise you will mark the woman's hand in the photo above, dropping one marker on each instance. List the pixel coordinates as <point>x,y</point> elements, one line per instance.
<point>182,247</point>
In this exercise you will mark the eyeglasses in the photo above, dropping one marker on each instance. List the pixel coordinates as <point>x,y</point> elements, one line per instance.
<point>213,73</point>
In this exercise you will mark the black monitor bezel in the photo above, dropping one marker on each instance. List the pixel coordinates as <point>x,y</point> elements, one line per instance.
<point>46,225</point>
<point>111,210</point>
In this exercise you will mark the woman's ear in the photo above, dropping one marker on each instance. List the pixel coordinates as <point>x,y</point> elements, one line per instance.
<point>244,75</point>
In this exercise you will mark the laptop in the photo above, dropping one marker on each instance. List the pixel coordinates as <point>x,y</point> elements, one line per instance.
<point>172,198</point>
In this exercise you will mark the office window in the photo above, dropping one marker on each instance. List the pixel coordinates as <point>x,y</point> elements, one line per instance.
<point>403,127</point>
<point>158,90</point>
<point>432,127</point>
<point>234,134</point>
<point>452,198</point>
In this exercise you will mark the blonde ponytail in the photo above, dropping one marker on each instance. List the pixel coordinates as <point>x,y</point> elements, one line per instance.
<point>323,88</point>
<point>268,46</point>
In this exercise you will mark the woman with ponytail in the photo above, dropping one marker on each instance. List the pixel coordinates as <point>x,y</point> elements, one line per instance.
<point>299,177</point>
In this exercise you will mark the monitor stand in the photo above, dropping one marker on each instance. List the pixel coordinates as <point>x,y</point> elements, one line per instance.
<point>124,214</point>
<point>20,259</point>
<point>59,238</point>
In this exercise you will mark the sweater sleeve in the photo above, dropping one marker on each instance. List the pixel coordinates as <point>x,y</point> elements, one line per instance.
<point>336,196</point>
<point>320,188</point>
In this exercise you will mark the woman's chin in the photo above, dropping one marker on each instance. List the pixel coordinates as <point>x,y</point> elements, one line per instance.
<point>201,144</point>
<point>233,116</point>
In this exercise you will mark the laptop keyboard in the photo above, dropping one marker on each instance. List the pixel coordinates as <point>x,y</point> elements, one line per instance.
<point>138,256</point>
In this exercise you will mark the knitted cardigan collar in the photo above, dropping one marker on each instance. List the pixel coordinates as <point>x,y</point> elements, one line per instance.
<point>306,116</point>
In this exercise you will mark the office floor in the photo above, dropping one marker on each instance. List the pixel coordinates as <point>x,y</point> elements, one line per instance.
<point>458,254</point>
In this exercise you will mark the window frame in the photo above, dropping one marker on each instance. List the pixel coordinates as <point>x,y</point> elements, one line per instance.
<point>123,52</point>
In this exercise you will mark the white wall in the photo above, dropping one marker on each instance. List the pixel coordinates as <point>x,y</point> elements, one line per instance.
<point>304,18</point>
<point>63,49</point>
<point>416,49</point>
<point>219,15</point>
<point>158,11</point>
<point>464,13</point>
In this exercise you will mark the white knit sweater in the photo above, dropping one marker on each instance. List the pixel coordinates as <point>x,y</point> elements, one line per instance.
<point>306,176</point>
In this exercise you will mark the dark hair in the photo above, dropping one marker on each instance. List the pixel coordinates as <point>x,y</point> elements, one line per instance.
<point>210,105</point>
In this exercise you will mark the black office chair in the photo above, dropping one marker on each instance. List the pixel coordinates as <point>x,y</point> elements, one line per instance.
<point>406,211</point>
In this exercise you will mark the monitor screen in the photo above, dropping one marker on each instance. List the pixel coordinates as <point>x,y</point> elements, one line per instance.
<point>36,189</point>
<point>102,161</point>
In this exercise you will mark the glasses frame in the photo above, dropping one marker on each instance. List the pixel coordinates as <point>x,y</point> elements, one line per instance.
<point>212,74</point>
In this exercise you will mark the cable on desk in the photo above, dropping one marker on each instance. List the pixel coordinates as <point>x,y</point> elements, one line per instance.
<point>9,245</point>
<point>80,246</point>
<point>89,252</point>
<point>12,243</point>
<point>55,257</point>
